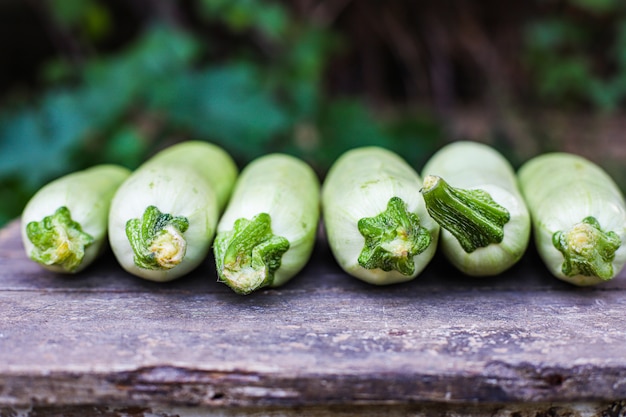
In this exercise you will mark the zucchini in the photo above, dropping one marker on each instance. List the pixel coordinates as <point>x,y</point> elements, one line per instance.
<point>64,224</point>
<point>374,217</point>
<point>211,161</point>
<point>163,217</point>
<point>579,217</point>
<point>267,233</point>
<point>471,190</point>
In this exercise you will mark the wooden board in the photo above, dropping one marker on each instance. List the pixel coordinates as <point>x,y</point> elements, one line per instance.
<point>104,337</point>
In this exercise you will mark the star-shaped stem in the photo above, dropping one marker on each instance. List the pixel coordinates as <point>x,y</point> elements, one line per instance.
<point>587,249</point>
<point>392,239</point>
<point>248,256</point>
<point>58,240</point>
<point>157,239</point>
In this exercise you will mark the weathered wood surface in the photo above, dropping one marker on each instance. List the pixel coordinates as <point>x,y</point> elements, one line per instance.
<point>105,337</point>
<point>616,409</point>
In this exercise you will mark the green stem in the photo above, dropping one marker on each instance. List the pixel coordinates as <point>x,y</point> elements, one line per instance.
<point>471,216</point>
<point>248,256</point>
<point>587,249</point>
<point>58,240</point>
<point>157,239</point>
<point>392,239</point>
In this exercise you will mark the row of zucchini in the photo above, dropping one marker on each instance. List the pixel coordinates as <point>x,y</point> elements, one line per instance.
<point>382,219</point>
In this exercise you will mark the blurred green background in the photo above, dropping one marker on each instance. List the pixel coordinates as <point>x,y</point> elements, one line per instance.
<point>91,81</point>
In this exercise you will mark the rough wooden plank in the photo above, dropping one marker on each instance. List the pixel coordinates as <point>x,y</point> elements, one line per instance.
<point>107,338</point>
<point>194,349</point>
<point>615,409</point>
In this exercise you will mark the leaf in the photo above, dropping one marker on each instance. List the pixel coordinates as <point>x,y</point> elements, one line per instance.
<point>227,104</point>
<point>597,6</point>
<point>14,197</point>
<point>272,20</point>
<point>414,136</point>
<point>551,33</point>
<point>619,48</point>
<point>126,147</point>
<point>565,77</point>
<point>69,12</point>
<point>36,142</point>
<point>160,52</point>
<point>97,21</point>
<point>269,18</point>
<point>298,72</point>
<point>606,95</point>
<point>28,151</point>
<point>90,17</point>
<point>345,124</point>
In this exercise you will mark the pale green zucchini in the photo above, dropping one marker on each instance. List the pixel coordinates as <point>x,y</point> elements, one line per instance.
<point>471,190</point>
<point>211,161</point>
<point>579,217</point>
<point>64,225</point>
<point>375,220</point>
<point>163,217</point>
<point>267,233</point>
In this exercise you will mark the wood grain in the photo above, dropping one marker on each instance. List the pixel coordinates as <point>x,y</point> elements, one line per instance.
<point>104,337</point>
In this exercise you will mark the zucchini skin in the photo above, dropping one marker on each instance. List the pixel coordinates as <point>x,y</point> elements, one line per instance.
<point>286,189</point>
<point>174,184</point>
<point>359,185</point>
<point>211,161</point>
<point>87,194</point>
<point>562,189</point>
<point>476,166</point>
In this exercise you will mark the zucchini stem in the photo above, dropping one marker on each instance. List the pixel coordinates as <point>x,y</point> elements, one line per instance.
<point>587,249</point>
<point>58,240</point>
<point>392,239</point>
<point>470,215</point>
<point>248,256</point>
<point>157,239</point>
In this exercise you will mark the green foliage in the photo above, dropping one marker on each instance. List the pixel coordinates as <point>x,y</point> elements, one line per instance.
<point>597,6</point>
<point>240,15</point>
<point>39,140</point>
<point>13,196</point>
<point>88,17</point>
<point>126,146</point>
<point>227,105</point>
<point>166,85</point>
<point>563,56</point>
